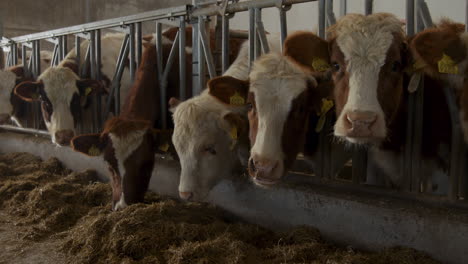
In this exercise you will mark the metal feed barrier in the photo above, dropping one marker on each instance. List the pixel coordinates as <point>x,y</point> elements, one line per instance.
<point>206,65</point>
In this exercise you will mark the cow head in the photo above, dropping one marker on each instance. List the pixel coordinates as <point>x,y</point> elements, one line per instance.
<point>281,97</point>
<point>128,147</point>
<point>60,92</point>
<point>209,136</point>
<point>366,55</point>
<point>441,52</point>
<point>10,104</point>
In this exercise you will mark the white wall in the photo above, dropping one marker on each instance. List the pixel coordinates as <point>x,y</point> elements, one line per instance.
<point>305,16</point>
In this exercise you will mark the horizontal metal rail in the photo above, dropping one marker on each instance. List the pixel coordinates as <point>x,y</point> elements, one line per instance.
<point>33,131</point>
<point>108,23</point>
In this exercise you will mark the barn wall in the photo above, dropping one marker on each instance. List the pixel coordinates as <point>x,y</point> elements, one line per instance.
<point>22,17</point>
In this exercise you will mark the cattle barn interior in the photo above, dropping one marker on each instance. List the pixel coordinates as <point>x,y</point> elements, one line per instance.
<point>120,93</point>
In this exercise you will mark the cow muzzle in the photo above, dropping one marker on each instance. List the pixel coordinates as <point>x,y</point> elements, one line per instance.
<point>4,118</point>
<point>265,172</point>
<point>360,124</point>
<point>63,137</point>
<point>187,196</point>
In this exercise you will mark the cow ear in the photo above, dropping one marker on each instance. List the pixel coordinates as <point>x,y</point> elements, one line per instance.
<point>90,87</point>
<point>18,71</point>
<point>431,47</point>
<point>229,90</point>
<point>89,144</point>
<point>173,103</point>
<point>308,50</point>
<point>29,91</point>
<point>235,125</point>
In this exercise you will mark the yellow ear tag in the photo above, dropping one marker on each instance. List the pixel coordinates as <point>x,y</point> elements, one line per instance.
<point>236,99</point>
<point>233,132</point>
<point>326,106</point>
<point>447,65</point>
<point>88,91</point>
<point>320,65</point>
<point>94,151</point>
<point>164,147</point>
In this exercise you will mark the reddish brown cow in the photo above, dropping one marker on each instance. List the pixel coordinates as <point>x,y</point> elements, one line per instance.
<point>367,55</point>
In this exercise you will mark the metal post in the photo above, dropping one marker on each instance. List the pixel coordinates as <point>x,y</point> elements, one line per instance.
<point>59,49</point>
<point>251,36</point>
<point>182,60</point>
<point>225,43</point>
<point>321,17</point>
<point>115,90</point>
<point>139,46</point>
<point>207,51</point>
<point>64,47</point>
<point>369,7</point>
<point>14,52</point>
<point>343,7</point>
<point>92,63</point>
<point>24,59</point>
<point>331,20</point>
<point>132,52</point>
<point>163,80</point>
<point>201,58</point>
<point>97,75</point>
<point>258,19</point>
<point>78,51</point>
<point>2,56</point>
<point>283,24</point>
<point>262,43</point>
<point>425,16</point>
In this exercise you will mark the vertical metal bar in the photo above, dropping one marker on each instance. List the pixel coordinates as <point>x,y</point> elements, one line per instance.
<point>8,62</point>
<point>182,60</point>
<point>139,46</point>
<point>15,53</point>
<point>466,17</point>
<point>368,7</point>
<point>261,36</point>
<point>78,51</point>
<point>201,58</point>
<point>331,20</point>
<point>321,17</point>
<point>38,58</point>
<point>60,49</point>
<point>410,17</point>
<point>24,59</point>
<point>159,50</point>
<point>225,44</point>
<point>251,36</point>
<point>425,15</point>
<point>258,20</point>
<point>343,7</point>
<point>195,60</point>
<point>132,52</point>
<point>64,46</point>
<point>207,50</point>
<point>2,56</point>
<point>119,68</point>
<point>98,77</point>
<point>283,25</point>
<point>92,64</point>
<point>54,60</point>
<point>86,62</point>
<point>163,80</point>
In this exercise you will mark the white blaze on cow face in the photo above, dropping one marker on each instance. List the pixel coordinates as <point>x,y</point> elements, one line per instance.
<point>275,82</point>
<point>60,87</point>
<point>124,146</point>
<point>203,144</point>
<point>364,42</point>
<point>7,84</point>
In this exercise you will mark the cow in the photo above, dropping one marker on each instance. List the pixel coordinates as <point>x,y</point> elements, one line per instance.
<point>368,55</point>
<point>441,52</point>
<point>128,142</point>
<point>11,106</point>
<point>211,137</point>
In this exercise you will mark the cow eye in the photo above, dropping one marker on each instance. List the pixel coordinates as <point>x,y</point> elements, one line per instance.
<point>249,106</point>
<point>396,66</point>
<point>336,66</point>
<point>210,149</point>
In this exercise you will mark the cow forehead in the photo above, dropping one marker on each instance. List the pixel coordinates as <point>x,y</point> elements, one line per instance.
<point>366,39</point>
<point>276,81</point>
<point>124,145</point>
<point>59,84</point>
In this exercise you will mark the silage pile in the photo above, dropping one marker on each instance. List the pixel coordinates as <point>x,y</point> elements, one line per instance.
<point>54,202</point>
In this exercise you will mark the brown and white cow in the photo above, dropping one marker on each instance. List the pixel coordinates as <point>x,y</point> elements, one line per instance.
<point>367,55</point>
<point>441,52</point>
<point>211,137</point>
<point>11,106</point>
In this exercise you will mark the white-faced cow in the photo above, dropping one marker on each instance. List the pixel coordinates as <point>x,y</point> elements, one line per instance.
<point>11,106</point>
<point>441,52</point>
<point>211,137</point>
<point>128,143</point>
<point>367,55</point>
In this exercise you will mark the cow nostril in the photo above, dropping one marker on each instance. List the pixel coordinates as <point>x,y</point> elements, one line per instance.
<point>186,195</point>
<point>363,117</point>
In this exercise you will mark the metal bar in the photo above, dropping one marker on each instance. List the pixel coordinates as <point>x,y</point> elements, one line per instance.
<point>206,49</point>
<point>25,130</point>
<point>176,11</point>
<point>159,61</point>
<point>60,50</point>
<point>201,58</point>
<point>64,47</point>
<point>182,60</point>
<point>159,49</point>
<point>368,7</point>
<point>261,35</point>
<point>78,51</point>
<point>244,6</point>
<point>225,44</point>
<point>283,25</point>
<point>119,69</point>
<point>321,17</point>
<point>92,64</point>
<point>37,71</point>
<point>331,20</point>
<point>97,96</point>
<point>251,36</point>
<point>8,62</point>
<point>24,59</point>
<point>343,7</point>
<point>424,14</point>
<point>139,46</point>
<point>132,52</point>
<point>257,47</point>
<point>163,80</point>
<point>86,62</point>
<point>15,53</point>
<point>410,17</point>
<point>54,60</point>
<point>38,59</point>
<point>195,60</point>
